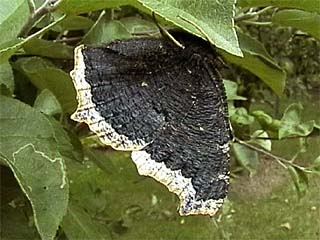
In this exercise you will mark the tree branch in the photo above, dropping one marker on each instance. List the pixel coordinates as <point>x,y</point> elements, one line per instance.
<point>36,14</point>
<point>282,161</point>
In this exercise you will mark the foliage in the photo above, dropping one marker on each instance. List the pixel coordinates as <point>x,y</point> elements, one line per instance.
<point>53,159</point>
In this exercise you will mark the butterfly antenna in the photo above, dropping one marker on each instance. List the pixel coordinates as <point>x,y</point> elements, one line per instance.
<point>165,33</point>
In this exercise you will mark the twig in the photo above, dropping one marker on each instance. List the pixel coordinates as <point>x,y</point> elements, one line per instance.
<point>280,160</point>
<point>32,6</point>
<point>39,33</point>
<point>66,40</point>
<point>257,23</point>
<point>250,14</point>
<point>36,14</point>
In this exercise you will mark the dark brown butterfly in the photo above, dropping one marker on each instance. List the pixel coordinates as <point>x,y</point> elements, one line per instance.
<point>165,104</point>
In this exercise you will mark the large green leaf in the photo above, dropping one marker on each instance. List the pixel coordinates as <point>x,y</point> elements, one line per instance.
<point>43,74</point>
<point>258,61</point>
<point>305,21</point>
<point>31,148</point>
<point>308,5</point>
<point>13,15</point>
<point>211,20</point>
<point>6,77</point>
<point>84,6</point>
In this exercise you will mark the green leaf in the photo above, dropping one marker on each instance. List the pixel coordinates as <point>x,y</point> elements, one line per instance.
<point>265,143</point>
<point>6,78</point>
<point>214,19</point>
<point>13,15</point>
<point>258,61</point>
<point>305,21</point>
<point>105,31</point>
<point>50,49</point>
<point>241,117</point>
<point>231,90</point>
<point>266,121</point>
<point>47,103</point>
<point>308,5</point>
<point>291,123</point>
<point>43,74</point>
<point>28,144</point>
<point>300,180</point>
<point>247,158</point>
<point>83,6</point>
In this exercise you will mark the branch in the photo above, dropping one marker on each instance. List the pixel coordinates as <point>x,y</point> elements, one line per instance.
<point>286,138</point>
<point>36,14</point>
<point>282,161</point>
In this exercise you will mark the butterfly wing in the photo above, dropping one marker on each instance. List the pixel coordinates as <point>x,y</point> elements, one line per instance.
<point>165,103</point>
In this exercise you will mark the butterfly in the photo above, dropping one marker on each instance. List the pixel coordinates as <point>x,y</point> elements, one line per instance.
<point>167,105</point>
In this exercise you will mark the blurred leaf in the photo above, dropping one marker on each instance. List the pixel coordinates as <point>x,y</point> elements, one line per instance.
<point>83,6</point>
<point>47,103</point>
<point>308,5</point>
<point>17,225</point>
<point>135,25</point>
<point>100,158</point>
<point>29,145</point>
<point>50,49</point>
<point>291,123</point>
<point>231,90</point>
<point>316,164</point>
<point>258,61</point>
<point>317,124</point>
<point>266,121</point>
<point>73,23</point>
<point>6,78</point>
<point>9,48</point>
<point>13,15</point>
<point>43,74</point>
<point>246,157</point>
<point>78,224</point>
<point>106,31</point>
<point>241,116</point>
<point>305,21</point>
<point>213,18</point>
<point>300,180</point>
<point>265,143</point>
